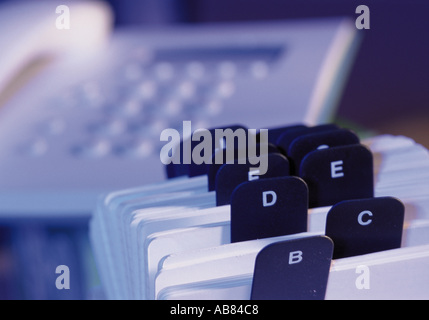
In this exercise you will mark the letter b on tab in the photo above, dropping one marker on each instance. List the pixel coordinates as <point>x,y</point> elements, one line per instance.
<point>295,257</point>
<point>281,272</point>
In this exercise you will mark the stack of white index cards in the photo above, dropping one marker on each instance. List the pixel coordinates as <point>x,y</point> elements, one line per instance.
<point>174,240</point>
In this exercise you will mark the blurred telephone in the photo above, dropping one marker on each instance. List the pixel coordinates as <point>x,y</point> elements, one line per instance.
<point>31,33</point>
<point>90,121</point>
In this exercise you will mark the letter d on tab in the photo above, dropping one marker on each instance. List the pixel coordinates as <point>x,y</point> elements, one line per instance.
<point>265,201</point>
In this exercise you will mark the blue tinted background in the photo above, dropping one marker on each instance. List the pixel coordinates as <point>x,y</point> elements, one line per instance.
<point>388,88</point>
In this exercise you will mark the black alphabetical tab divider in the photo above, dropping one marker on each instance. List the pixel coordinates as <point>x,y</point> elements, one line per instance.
<point>295,269</point>
<point>180,168</point>
<point>268,208</point>
<point>275,133</point>
<point>214,167</point>
<point>201,169</point>
<point>309,142</point>
<point>338,173</point>
<point>230,175</point>
<point>288,136</point>
<point>364,226</point>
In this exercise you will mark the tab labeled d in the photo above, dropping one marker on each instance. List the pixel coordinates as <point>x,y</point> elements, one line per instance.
<point>269,198</point>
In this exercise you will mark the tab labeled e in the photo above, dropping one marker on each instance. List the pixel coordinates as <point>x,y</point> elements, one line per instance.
<point>253,175</point>
<point>337,169</point>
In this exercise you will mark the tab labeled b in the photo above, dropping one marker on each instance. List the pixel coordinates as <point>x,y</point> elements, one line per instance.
<point>296,269</point>
<point>295,257</point>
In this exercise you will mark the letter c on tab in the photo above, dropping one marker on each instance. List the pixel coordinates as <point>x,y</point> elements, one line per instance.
<point>360,218</point>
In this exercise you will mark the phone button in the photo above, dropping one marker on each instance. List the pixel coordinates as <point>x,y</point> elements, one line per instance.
<point>36,147</point>
<point>93,149</point>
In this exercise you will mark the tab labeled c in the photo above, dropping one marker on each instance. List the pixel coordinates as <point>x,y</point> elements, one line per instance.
<point>360,218</point>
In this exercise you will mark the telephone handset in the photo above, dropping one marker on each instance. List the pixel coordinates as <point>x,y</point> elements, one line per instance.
<point>29,35</point>
<point>90,122</point>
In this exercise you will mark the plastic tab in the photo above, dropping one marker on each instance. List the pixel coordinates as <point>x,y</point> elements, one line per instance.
<point>214,167</point>
<point>184,165</point>
<point>235,136</point>
<point>303,145</point>
<point>365,225</point>
<point>293,270</point>
<point>230,175</point>
<point>336,174</point>
<point>286,138</point>
<point>269,208</point>
<point>275,133</point>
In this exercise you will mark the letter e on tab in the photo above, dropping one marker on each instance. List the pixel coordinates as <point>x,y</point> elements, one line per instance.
<point>253,175</point>
<point>337,169</point>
